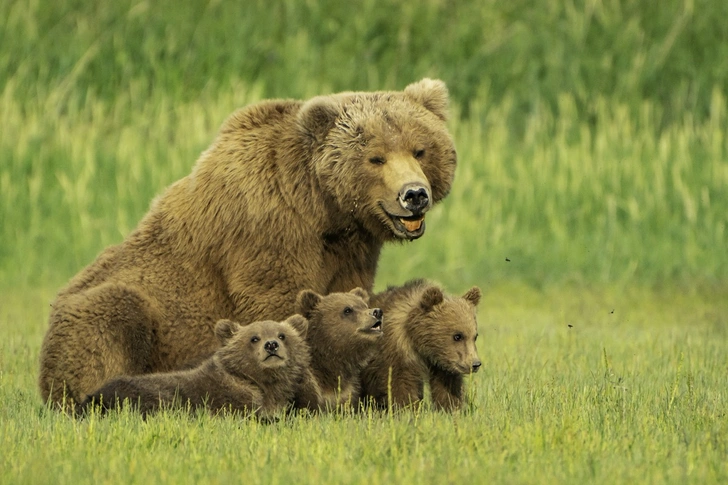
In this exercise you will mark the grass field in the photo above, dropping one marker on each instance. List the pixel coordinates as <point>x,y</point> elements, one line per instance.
<point>579,386</point>
<point>590,204</point>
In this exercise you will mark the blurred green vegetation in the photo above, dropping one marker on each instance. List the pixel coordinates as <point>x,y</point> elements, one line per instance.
<point>671,52</point>
<point>592,134</point>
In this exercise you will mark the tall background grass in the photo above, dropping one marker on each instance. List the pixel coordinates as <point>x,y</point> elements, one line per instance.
<point>591,134</point>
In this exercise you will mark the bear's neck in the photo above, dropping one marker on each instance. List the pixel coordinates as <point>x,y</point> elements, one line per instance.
<point>350,258</point>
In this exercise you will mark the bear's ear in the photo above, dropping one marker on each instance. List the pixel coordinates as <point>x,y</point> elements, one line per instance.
<point>299,323</point>
<point>306,302</point>
<point>317,116</point>
<point>430,298</point>
<point>225,329</point>
<point>432,94</point>
<point>361,293</point>
<point>473,295</point>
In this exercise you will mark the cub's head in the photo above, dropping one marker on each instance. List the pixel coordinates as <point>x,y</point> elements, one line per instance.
<point>263,350</point>
<point>384,158</point>
<point>444,329</point>
<point>340,319</point>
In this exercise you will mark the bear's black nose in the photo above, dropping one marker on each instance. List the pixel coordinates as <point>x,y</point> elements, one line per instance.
<point>377,312</point>
<point>414,198</point>
<point>476,366</point>
<point>271,346</point>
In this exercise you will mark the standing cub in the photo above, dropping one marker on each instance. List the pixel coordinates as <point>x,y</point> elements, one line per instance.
<point>430,337</point>
<point>257,370</point>
<point>343,333</point>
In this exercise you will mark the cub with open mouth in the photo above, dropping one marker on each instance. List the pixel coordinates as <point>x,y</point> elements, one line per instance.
<point>343,333</point>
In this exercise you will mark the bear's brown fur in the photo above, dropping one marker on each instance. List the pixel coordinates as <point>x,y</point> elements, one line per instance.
<point>429,336</point>
<point>258,369</point>
<point>291,195</point>
<point>343,333</point>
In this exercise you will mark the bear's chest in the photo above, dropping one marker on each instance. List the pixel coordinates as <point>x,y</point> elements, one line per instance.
<point>349,261</point>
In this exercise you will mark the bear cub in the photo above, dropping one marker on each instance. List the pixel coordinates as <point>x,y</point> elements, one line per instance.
<point>343,334</point>
<point>430,337</point>
<point>258,370</point>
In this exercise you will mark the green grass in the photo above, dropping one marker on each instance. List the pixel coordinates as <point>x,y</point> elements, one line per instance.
<point>591,192</point>
<point>592,136</point>
<point>633,392</point>
<point>671,53</point>
<point>608,200</point>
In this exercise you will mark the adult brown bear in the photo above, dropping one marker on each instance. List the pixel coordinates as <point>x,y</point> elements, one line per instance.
<point>291,195</point>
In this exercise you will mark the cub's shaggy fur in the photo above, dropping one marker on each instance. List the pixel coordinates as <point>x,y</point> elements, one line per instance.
<point>343,334</point>
<point>258,370</point>
<point>430,337</point>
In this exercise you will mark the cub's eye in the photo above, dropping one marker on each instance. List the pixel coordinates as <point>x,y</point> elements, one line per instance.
<point>281,337</point>
<point>419,154</point>
<point>348,310</point>
<point>254,340</point>
<point>457,337</point>
<point>377,160</point>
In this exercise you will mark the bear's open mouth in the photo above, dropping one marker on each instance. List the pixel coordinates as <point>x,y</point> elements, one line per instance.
<point>374,329</point>
<point>410,227</point>
<point>406,224</point>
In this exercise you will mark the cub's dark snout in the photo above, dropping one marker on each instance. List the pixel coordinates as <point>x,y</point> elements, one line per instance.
<point>271,346</point>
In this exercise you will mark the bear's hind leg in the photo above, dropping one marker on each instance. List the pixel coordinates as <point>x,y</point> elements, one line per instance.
<point>95,335</point>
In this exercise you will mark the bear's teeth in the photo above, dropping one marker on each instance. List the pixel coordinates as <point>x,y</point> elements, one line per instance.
<point>412,226</point>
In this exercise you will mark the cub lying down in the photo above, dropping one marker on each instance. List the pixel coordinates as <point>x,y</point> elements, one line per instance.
<point>258,370</point>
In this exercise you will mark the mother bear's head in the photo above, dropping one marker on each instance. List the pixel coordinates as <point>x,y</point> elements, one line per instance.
<point>383,158</point>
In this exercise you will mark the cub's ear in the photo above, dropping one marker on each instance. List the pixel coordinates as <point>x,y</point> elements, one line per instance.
<point>473,295</point>
<point>225,329</point>
<point>430,298</point>
<point>432,94</point>
<point>299,323</point>
<point>317,116</point>
<point>361,293</point>
<point>306,302</point>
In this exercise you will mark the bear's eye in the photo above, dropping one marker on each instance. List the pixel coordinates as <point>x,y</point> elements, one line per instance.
<point>348,310</point>
<point>457,337</point>
<point>377,160</point>
<point>254,340</point>
<point>419,153</point>
<point>281,337</point>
